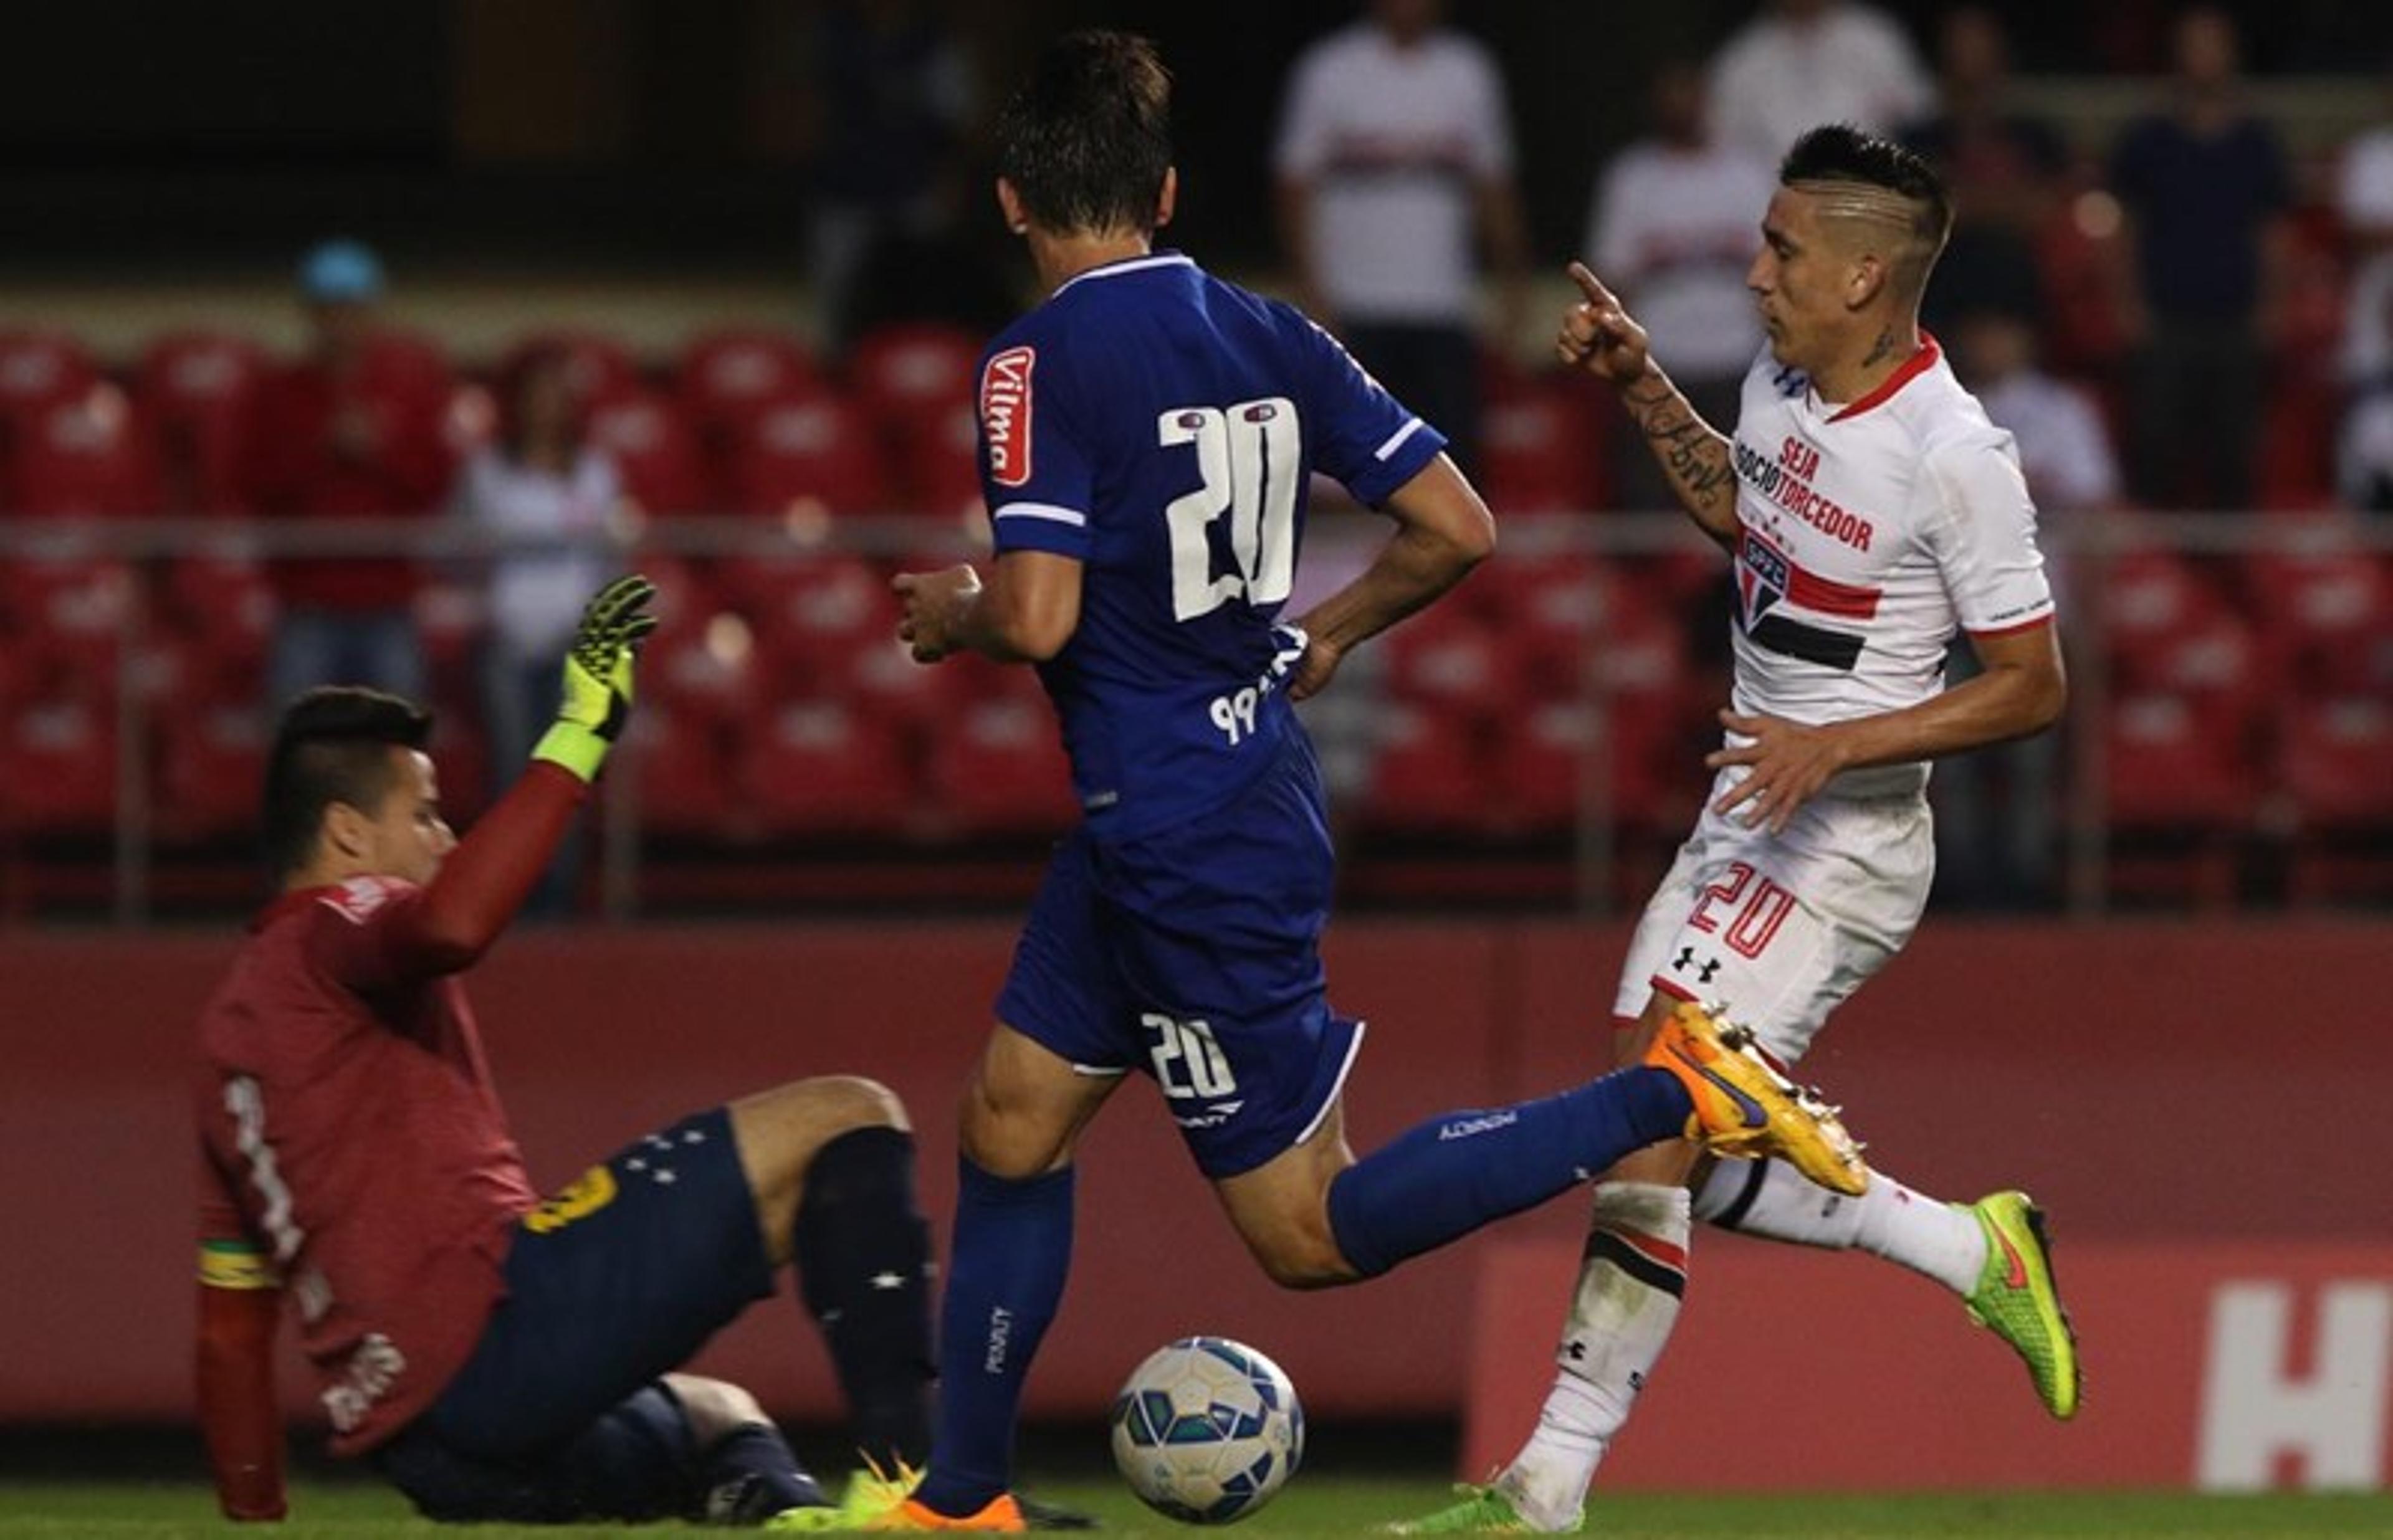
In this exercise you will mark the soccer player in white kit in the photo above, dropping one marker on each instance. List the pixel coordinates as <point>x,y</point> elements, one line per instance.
<point>1870,509</point>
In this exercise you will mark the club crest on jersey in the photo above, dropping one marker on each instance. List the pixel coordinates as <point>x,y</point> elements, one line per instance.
<point>1005,414</point>
<point>1764,574</point>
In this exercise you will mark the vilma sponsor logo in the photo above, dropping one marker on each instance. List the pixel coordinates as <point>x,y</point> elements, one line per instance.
<point>1005,414</point>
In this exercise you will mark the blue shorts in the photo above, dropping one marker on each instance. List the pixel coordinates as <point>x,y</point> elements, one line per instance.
<point>1193,954</point>
<point>616,1280</point>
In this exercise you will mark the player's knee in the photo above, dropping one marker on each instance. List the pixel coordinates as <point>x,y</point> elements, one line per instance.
<point>1302,1259</point>
<point>852,1102</point>
<point>714,1407</point>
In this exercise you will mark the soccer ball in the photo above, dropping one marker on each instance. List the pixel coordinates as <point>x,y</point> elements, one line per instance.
<point>1206,1430</point>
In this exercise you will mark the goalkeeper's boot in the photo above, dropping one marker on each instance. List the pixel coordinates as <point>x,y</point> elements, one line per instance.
<point>2017,1299</point>
<point>1479,1510</point>
<point>871,1494</point>
<point>1744,1107</point>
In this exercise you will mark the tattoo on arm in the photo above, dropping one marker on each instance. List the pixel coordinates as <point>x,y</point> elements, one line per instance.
<point>1693,454</point>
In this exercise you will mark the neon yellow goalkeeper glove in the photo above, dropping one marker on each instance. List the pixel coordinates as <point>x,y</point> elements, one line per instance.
<point>598,677</point>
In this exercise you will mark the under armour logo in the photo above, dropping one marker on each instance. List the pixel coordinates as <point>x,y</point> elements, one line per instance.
<point>1702,972</point>
<point>1575,1351</point>
<point>1636,1379</point>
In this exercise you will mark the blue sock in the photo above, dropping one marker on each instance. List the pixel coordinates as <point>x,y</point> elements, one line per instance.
<point>1012,1249</point>
<point>1452,1174</point>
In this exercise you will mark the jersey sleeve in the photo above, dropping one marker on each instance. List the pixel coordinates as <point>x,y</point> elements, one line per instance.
<point>1984,537</point>
<point>1490,120</point>
<point>1303,146</point>
<point>1035,466</point>
<point>231,1255</point>
<point>1362,436</point>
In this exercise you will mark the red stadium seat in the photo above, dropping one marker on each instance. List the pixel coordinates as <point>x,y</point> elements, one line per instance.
<point>210,759</point>
<point>1432,772</point>
<point>2329,613</point>
<point>800,458</point>
<point>655,448</point>
<point>196,388</point>
<point>40,368</point>
<point>85,455</point>
<point>1456,658</point>
<point>822,767</point>
<point>599,368</point>
<point>940,469</point>
<point>998,766</point>
<point>680,762</point>
<point>2335,767</point>
<point>2151,601</point>
<point>2178,766</point>
<point>904,372</point>
<point>726,379</point>
<point>815,615</point>
<point>1540,447</point>
<point>57,766</point>
<point>69,616</point>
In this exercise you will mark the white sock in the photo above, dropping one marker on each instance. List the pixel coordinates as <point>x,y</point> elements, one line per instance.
<point>1771,1199</point>
<point>1620,1317</point>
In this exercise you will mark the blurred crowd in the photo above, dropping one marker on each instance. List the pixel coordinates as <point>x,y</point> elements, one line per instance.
<point>2184,318</point>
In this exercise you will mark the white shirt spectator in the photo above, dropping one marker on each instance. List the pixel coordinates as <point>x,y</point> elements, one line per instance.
<point>2365,199</point>
<point>552,534</point>
<point>2065,451</point>
<point>2364,453</point>
<point>1776,77</point>
<point>1396,142</point>
<point>1674,229</point>
<point>2063,448</point>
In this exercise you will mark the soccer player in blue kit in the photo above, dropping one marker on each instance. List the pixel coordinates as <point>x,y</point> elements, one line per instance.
<point>1148,435</point>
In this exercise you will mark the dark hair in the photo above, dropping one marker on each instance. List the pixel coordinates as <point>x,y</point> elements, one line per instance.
<point>1087,138</point>
<point>508,389</point>
<point>332,746</point>
<point>1840,152</point>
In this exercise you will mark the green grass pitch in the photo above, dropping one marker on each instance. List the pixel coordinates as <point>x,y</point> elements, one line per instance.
<point>1327,1507</point>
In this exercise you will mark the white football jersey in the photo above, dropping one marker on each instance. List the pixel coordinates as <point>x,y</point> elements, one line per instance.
<point>1868,533</point>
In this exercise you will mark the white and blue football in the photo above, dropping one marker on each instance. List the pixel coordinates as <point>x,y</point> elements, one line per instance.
<point>1206,1430</point>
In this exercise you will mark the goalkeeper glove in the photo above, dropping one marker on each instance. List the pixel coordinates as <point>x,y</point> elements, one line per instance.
<point>598,677</point>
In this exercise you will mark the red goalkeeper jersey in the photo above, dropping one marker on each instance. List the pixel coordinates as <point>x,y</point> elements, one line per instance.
<point>349,1129</point>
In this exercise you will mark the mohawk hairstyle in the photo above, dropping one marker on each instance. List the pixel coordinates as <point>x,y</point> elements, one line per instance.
<point>1087,138</point>
<point>1840,152</point>
<point>332,746</point>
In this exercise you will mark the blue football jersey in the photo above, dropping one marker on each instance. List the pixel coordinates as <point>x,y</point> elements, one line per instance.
<point>1161,427</point>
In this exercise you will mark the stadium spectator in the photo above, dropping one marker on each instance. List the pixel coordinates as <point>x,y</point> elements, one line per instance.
<point>889,92</point>
<point>2003,167</point>
<point>1998,812</point>
<point>1870,511</point>
<point>350,431</point>
<point>1802,62</point>
<point>1395,157</point>
<point>1178,928</point>
<point>1672,223</point>
<point>2364,199</point>
<point>2205,188</point>
<point>498,1357</point>
<point>549,509</point>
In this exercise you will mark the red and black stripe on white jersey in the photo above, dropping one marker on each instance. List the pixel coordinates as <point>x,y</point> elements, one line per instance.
<point>1868,533</point>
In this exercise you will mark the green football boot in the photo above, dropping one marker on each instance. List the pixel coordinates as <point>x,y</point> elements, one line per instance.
<point>1480,1510</point>
<point>2017,1299</point>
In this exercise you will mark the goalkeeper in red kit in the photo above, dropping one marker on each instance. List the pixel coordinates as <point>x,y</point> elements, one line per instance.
<point>496,1356</point>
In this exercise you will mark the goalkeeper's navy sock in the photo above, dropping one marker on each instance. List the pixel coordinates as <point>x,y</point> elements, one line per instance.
<point>751,1475</point>
<point>1012,1247</point>
<point>864,1264</point>
<point>1452,1174</point>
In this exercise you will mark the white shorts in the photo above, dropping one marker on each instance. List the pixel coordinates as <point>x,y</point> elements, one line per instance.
<point>1779,929</point>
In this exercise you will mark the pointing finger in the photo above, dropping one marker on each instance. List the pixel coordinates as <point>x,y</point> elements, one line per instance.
<point>1592,287</point>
